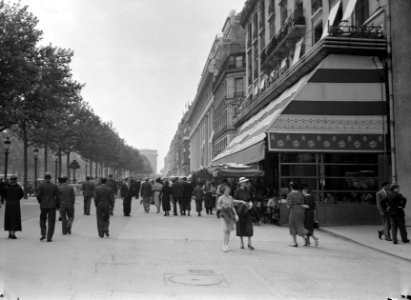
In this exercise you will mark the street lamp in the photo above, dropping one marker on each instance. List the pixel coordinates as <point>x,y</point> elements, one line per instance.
<point>36,157</point>
<point>6,155</point>
<point>56,160</point>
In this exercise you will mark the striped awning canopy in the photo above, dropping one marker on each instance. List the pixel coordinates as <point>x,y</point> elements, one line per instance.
<point>339,106</point>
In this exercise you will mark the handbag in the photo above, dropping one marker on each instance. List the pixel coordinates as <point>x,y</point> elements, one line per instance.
<point>316,225</point>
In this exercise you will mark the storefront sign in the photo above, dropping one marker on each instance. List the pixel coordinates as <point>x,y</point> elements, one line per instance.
<point>326,142</point>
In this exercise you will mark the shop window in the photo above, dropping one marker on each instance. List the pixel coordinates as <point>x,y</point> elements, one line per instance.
<point>239,61</point>
<point>239,87</point>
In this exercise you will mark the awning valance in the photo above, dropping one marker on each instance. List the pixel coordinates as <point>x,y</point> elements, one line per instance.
<point>233,170</point>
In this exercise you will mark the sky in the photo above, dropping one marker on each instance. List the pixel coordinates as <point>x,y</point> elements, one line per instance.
<point>141,60</point>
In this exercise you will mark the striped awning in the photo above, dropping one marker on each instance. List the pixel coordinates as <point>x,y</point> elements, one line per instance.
<point>341,108</point>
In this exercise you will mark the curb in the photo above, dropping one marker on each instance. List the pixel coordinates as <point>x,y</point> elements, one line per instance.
<point>362,244</point>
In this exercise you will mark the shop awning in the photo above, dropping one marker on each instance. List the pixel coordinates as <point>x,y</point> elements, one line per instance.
<point>249,144</point>
<point>340,108</point>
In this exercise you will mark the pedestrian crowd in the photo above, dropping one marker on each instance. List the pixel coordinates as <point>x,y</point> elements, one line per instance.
<point>238,205</point>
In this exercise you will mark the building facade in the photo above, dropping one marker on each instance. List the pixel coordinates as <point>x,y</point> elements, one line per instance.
<point>220,91</point>
<point>316,109</point>
<point>177,160</point>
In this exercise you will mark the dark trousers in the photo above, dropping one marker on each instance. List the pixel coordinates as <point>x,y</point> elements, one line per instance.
<point>398,222</point>
<point>47,214</point>
<point>67,218</point>
<point>199,205</point>
<point>103,219</point>
<point>175,201</point>
<point>127,206</point>
<point>87,202</point>
<point>386,225</point>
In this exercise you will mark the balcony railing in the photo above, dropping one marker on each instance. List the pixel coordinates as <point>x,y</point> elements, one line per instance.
<point>293,28</point>
<point>343,30</point>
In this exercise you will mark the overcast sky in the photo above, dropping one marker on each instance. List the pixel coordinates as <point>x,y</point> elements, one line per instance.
<point>141,60</point>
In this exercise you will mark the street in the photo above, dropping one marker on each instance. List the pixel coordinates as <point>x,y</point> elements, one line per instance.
<point>149,256</point>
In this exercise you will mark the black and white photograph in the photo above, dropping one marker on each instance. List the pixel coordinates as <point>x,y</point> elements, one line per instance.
<point>216,149</point>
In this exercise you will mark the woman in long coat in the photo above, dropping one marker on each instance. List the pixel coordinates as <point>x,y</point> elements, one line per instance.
<point>13,193</point>
<point>295,202</point>
<point>165,197</point>
<point>245,221</point>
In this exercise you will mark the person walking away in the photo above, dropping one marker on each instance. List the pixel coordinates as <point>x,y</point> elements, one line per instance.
<point>104,202</point>
<point>165,197</point>
<point>126,196</point>
<point>146,192</point>
<point>208,198</point>
<point>187,194</point>
<point>177,193</point>
<point>113,185</point>
<point>396,205</point>
<point>12,193</point>
<point>381,201</point>
<point>244,226</point>
<point>157,187</point>
<point>47,196</point>
<point>135,188</point>
<point>67,199</point>
<point>198,194</point>
<point>221,187</point>
<point>295,202</point>
<point>310,216</point>
<point>228,216</point>
<point>88,188</point>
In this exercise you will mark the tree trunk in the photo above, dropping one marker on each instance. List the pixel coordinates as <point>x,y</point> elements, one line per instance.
<point>45,157</point>
<point>25,146</point>
<point>68,165</point>
<point>60,163</point>
<point>91,168</point>
<point>96,169</point>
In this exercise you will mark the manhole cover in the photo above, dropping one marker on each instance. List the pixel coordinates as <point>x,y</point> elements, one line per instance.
<point>195,280</point>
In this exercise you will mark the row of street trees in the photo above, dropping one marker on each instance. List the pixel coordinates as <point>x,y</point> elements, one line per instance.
<point>42,103</point>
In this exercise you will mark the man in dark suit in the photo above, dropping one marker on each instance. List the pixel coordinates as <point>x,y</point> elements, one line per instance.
<point>126,195</point>
<point>396,205</point>
<point>146,191</point>
<point>47,196</point>
<point>88,188</point>
<point>67,200</point>
<point>177,194</point>
<point>113,185</point>
<point>187,194</point>
<point>104,201</point>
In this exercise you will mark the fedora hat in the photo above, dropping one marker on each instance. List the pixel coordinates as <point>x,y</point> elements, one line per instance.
<point>243,179</point>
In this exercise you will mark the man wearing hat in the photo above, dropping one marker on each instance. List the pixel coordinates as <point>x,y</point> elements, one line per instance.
<point>88,188</point>
<point>177,195</point>
<point>67,199</point>
<point>47,196</point>
<point>104,201</point>
<point>396,205</point>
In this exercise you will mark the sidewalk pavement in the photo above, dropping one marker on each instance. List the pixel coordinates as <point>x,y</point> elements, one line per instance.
<point>366,235</point>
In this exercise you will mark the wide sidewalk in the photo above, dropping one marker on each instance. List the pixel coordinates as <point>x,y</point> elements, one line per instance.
<point>366,235</point>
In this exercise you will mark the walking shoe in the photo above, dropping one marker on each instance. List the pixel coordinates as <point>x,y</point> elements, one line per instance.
<point>69,229</point>
<point>395,242</point>
<point>250,247</point>
<point>49,240</point>
<point>107,235</point>
<point>43,237</point>
<point>406,241</point>
<point>388,239</point>
<point>380,233</point>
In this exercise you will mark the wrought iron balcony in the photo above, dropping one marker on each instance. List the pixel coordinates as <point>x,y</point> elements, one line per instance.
<point>292,30</point>
<point>344,30</point>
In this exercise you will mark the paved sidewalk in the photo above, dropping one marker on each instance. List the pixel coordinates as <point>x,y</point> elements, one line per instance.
<point>367,236</point>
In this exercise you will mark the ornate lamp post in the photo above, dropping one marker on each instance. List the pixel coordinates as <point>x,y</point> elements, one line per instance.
<point>56,161</point>
<point>6,155</point>
<point>36,157</point>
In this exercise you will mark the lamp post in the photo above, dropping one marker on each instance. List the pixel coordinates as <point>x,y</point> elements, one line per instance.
<point>36,157</point>
<point>56,161</point>
<point>6,155</point>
